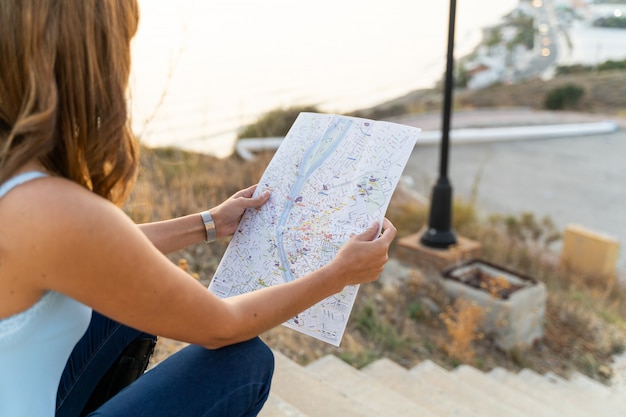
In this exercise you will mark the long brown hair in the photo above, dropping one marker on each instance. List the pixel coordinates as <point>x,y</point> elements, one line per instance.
<point>64,69</point>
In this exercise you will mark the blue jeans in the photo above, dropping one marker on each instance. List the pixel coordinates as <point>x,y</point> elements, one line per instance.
<point>231,381</point>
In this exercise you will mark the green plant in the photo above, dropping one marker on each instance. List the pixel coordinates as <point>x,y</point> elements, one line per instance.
<point>480,363</point>
<point>612,65</point>
<point>359,359</point>
<point>518,357</point>
<point>588,364</point>
<point>611,22</point>
<point>417,311</point>
<point>383,335</point>
<point>525,30</point>
<point>563,97</point>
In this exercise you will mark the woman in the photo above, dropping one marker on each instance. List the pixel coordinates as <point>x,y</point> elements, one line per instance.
<point>67,161</point>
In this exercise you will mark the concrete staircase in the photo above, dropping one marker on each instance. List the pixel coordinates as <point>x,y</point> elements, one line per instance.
<point>329,387</point>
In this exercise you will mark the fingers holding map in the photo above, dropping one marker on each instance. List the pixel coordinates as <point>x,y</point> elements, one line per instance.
<point>332,177</point>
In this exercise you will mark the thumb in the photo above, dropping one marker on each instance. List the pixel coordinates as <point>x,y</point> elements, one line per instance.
<point>262,198</point>
<point>370,233</point>
<point>254,202</point>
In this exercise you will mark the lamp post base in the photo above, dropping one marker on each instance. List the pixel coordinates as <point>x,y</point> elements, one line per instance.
<point>412,251</point>
<point>439,232</point>
<point>438,238</point>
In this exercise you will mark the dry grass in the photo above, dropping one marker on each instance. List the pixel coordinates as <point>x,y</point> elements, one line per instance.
<point>462,320</point>
<point>174,183</point>
<point>413,319</point>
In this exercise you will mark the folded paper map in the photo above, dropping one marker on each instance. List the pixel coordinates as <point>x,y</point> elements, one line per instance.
<point>331,178</point>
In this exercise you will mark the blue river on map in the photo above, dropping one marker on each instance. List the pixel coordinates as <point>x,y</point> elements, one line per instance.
<point>312,159</point>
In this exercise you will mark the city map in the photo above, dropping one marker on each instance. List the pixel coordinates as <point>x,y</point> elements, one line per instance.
<point>331,178</point>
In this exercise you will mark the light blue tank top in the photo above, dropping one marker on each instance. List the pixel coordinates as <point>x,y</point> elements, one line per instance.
<point>35,345</point>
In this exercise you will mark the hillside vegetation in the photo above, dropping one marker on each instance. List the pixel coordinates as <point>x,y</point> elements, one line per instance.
<point>604,92</point>
<point>409,320</point>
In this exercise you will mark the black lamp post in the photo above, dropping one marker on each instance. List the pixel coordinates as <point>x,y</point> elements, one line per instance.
<point>439,233</point>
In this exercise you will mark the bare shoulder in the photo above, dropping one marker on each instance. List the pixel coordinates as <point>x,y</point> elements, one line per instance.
<point>62,237</point>
<point>45,223</point>
<point>52,207</point>
<point>71,232</point>
<point>51,191</point>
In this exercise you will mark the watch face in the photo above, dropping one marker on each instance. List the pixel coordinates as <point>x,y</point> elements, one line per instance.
<point>209,226</point>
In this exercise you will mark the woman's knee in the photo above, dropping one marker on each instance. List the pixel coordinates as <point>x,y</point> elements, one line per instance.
<point>252,357</point>
<point>234,380</point>
<point>262,353</point>
<point>249,360</point>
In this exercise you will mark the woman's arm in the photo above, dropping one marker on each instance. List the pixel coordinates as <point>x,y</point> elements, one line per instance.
<point>90,250</point>
<point>359,261</point>
<point>171,235</point>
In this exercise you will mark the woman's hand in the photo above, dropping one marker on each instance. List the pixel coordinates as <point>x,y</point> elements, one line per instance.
<point>171,235</point>
<point>360,260</point>
<point>228,214</point>
<point>363,257</point>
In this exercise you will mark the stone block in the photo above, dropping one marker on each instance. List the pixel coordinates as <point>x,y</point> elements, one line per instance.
<point>513,311</point>
<point>589,253</point>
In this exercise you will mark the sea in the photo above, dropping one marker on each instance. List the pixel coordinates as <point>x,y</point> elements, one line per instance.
<point>203,69</point>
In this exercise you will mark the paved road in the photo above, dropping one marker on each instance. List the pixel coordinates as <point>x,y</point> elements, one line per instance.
<point>573,180</point>
<point>541,63</point>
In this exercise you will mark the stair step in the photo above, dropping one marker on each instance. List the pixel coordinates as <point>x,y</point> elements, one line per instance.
<point>419,390</point>
<point>277,407</point>
<point>310,394</point>
<point>480,400</point>
<point>366,389</point>
<point>330,387</point>
<point>514,398</point>
<point>586,384</point>
<point>554,378</point>
<point>521,383</point>
<point>580,384</point>
<point>585,400</point>
<point>583,383</point>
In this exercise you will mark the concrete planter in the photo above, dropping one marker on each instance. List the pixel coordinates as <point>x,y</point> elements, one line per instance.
<point>513,304</point>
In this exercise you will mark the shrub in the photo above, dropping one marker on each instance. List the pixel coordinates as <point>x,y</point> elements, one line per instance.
<point>564,97</point>
<point>618,22</point>
<point>462,322</point>
<point>612,65</point>
<point>572,69</point>
<point>274,123</point>
<point>385,337</point>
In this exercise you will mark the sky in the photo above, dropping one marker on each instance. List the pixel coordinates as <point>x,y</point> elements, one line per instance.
<point>202,68</point>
